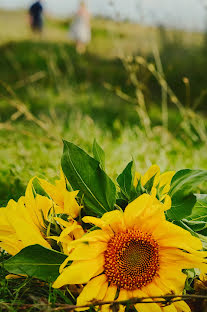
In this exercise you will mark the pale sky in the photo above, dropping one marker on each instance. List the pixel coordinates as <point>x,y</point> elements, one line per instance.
<point>177,13</point>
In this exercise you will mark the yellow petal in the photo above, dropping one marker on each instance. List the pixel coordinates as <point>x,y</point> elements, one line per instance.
<point>91,290</point>
<point>93,236</point>
<point>154,191</point>
<point>68,230</point>
<point>145,307</point>
<point>63,265</point>
<point>170,279</point>
<point>71,206</point>
<point>62,180</point>
<point>87,251</point>
<point>136,178</point>
<point>136,208</point>
<point>12,249</point>
<point>78,232</point>
<point>62,222</point>
<point>53,192</point>
<point>4,224</point>
<point>153,290</point>
<point>167,202</point>
<point>115,220</point>
<point>183,260</point>
<point>182,306</point>
<point>44,205</point>
<point>93,220</point>
<point>169,308</point>
<point>14,276</point>
<point>165,178</point>
<point>123,295</point>
<point>103,291</point>
<point>110,296</point>
<point>28,233</point>
<point>31,204</point>
<point>154,170</point>
<point>80,272</point>
<point>171,235</point>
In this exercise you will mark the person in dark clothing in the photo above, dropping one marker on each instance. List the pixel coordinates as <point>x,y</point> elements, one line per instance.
<point>36,16</point>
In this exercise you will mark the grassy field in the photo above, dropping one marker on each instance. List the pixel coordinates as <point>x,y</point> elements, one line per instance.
<point>48,92</point>
<point>127,91</point>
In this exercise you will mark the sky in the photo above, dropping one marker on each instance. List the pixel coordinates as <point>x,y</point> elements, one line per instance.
<point>185,14</point>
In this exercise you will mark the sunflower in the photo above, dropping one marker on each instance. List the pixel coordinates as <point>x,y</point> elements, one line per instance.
<point>64,199</point>
<point>160,185</point>
<point>30,220</point>
<point>135,253</point>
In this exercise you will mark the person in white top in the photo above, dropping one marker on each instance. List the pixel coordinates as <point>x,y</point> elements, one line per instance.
<point>80,29</point>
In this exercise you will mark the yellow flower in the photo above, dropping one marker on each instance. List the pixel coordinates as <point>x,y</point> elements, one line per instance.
<point>29,221</point>
<point>64,199</point>
<point>161,183</point>
<point>135,253</point>
<point>22,222</point>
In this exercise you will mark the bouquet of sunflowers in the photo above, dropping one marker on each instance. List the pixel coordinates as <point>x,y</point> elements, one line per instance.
<point>141,237</point>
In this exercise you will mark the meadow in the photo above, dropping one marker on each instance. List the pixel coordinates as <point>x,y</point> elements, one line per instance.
<point>140,91</point>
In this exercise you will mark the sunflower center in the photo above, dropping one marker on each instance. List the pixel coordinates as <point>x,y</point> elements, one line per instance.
<point>131,259</point>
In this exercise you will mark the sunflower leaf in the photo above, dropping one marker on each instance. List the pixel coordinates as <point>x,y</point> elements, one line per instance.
<point>36,261</point>
<point>99,154</point>
<point>148,186</point>
<point>84,174</point>
<point>199,212</point>
<point>126,181</point>
<point>183,184</point>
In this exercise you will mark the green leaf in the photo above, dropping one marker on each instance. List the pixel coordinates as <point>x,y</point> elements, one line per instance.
<point>84,174</point>
<point>196,226</point>
<point>187,180</point>
<point>99,154</point>
<point>36,261</point>
<point>181,206</point>
<point>191,275</point>
<point>185,225</point>
<point>148,186</point>
<point>183,184</point>
<point>199,212</point>
<point>126,181</point>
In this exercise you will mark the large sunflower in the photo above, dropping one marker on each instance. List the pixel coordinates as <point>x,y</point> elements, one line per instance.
<point>135,253</point>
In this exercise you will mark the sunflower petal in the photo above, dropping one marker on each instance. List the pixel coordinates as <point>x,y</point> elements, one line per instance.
<point>79,272</point>
<point>71,206</point>
<point>182,306</point>
<point>145,307</point>
<point>136,208</point>
<point>53,192</point>
<point>87,251</point>
<point>91,290</point>
<point>115,220</point>
<point>110,296</point>
<point>154,170</point>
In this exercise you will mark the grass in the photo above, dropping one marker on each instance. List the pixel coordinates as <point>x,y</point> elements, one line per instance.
<point>132,108</point>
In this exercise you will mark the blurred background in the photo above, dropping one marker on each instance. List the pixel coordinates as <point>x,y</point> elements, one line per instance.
<point>132,74</point>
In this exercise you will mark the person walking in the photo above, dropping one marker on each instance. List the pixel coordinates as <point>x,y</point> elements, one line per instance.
<point>80,30</point>
<point>36,16</point>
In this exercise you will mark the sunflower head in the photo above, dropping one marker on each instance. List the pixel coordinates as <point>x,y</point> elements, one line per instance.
<point>135,253</point>
<point>131,259</point>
